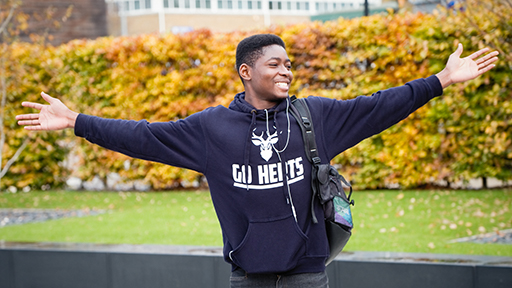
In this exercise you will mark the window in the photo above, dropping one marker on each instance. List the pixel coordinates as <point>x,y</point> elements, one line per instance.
<point>187,4</point>
<point>239,4</point>
<point>130,5</point>
<point>208,4</point>
<point>259,5</point>
<point>230,4</point>
<point>219,3</point>
<point>176,3</point>
<point>166,3</point>
<point>289,5</point>
<point>249,5</point>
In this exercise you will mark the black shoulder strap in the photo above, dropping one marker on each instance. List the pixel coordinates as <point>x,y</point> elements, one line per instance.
<point>301,112</point>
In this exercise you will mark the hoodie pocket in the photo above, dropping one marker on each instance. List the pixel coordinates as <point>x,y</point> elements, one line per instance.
<point>270,246</point>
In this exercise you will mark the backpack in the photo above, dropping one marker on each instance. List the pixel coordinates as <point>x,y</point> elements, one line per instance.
<point>326,184</point>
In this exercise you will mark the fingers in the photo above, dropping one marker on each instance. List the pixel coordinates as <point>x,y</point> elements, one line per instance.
<point>478,53</point>
<point>27,116</point>
<point>485,68</point>
<point>37,106</point>
<point>459,50</point>
<point>488,64</point>
<point>33,128</point>
<point>28,122</point>
<point>47,97</point>
<point>488,57</point>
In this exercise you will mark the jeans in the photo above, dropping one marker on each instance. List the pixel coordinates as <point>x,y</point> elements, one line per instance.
<point>240,279</point>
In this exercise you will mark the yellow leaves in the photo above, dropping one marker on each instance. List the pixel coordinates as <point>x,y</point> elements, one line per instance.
<point>164,77</point>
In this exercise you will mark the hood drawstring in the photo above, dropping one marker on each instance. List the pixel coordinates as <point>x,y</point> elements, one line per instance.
<point>247,147</point>
<point>288,128</point>
<point>284,167</point>
<point>252,127</point>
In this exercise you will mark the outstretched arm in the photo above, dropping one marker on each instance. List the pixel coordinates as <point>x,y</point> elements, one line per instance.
<point>55,116</point>
<point>463,69</point>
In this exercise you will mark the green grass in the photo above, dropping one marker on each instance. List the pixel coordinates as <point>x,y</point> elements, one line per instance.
<point>177,218</point>
<point>398,221</point>
<point>425,221</point>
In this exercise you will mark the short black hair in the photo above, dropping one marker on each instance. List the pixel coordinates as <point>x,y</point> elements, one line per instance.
<point>251,48</point>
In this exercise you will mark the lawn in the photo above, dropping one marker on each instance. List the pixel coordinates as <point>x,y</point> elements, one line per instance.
<point>398,221</point>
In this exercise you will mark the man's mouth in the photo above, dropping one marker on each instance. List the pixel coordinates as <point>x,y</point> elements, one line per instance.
<point>282,85</point>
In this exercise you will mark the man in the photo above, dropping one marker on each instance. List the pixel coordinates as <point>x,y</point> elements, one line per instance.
<point>252,154</point>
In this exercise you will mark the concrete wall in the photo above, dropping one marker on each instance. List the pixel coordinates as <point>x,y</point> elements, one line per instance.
<point>111,266</point>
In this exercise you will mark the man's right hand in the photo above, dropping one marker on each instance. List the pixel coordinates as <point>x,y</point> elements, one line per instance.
<point>55,116</point>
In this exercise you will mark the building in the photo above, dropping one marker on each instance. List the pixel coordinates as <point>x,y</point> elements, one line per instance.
<point>131,17</point>
<point>83,19</point>
<point>427,6</point>
<point>95,18</point>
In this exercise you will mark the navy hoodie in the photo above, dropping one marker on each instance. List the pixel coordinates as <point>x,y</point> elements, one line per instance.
<point>256,167</point>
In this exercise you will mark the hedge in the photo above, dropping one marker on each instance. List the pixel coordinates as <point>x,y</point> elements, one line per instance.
<point>462,135</point>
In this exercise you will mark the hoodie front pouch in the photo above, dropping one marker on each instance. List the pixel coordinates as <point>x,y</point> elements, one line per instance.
<point>270,246</point>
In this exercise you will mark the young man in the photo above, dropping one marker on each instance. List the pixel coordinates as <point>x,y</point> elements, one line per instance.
<point>252,154</point>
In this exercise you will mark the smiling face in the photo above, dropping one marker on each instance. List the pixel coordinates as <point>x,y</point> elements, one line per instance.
<point>268,80</point>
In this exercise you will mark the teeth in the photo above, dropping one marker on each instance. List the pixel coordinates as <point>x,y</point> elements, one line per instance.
<point>282,84</point>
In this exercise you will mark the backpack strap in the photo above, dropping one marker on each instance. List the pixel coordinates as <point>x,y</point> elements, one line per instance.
<point>303,116</point>
<point>300,111</point>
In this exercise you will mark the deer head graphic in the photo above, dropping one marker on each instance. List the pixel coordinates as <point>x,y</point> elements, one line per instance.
<point>265,145</point>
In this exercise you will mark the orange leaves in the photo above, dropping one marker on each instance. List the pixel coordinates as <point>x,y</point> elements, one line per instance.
<point>165,77</point>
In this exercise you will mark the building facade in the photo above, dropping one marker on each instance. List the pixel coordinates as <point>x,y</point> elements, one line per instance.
<point>65,20</point>
<point>131,17</point>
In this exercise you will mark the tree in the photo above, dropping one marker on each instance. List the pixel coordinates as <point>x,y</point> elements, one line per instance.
<point>14,25</point>
<point>7,14</point>
<point>492,20</point>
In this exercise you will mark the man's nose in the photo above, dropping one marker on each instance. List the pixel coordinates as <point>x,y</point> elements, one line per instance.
<point>283,70</point>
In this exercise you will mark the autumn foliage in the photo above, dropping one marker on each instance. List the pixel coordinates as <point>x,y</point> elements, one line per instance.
<point>462,135</point>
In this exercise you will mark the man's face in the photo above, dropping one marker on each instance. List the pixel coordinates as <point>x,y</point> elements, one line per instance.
<point>270,76</point>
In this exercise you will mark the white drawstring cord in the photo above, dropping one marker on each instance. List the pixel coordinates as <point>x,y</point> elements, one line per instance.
<point>280,151</point>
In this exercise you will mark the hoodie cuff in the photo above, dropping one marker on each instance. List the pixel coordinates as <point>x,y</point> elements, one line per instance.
<point>81,124</point>
<point>434,82</point>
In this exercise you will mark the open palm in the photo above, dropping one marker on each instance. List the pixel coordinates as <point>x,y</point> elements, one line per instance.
<point>55,116</point>
<point>464,69</point>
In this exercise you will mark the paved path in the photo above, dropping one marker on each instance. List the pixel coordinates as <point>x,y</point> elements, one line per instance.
<point>22,216</point>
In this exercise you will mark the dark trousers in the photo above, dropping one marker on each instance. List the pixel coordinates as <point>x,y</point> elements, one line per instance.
<point>240,279</point>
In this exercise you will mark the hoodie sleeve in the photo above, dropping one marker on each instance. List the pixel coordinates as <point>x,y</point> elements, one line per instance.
<point>348,122</point>
<point>179,143</point>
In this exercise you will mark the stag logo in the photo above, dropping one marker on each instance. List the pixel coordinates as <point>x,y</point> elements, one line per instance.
<point>265,145</point>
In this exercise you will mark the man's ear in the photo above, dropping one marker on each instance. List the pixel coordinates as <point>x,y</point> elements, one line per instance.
<point>245,72</point>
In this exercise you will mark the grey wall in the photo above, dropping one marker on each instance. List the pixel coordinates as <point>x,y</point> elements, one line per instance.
<point>115,266</point>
